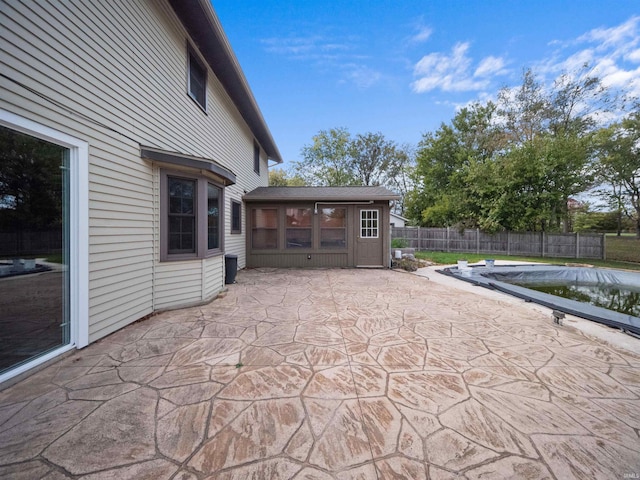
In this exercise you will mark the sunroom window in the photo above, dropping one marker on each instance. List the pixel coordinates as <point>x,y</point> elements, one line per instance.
<point>299,232</point>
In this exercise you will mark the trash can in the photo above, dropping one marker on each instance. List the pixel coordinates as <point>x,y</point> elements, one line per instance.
<point>230,268</point>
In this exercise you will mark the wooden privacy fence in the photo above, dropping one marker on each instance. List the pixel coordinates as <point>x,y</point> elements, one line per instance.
<point>530,244</point>
<point>17,243</point>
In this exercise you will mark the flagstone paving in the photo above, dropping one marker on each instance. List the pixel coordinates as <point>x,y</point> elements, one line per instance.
<point>331,374</point>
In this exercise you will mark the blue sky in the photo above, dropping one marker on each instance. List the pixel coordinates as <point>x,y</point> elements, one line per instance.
<point>403,67</point>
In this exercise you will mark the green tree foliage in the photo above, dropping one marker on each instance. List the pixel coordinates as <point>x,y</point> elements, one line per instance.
<point>373,159</point>
<point>593,221</point>
<point>281,178</point>
<point>513,164</point>
<point>30,182</point>
<point>619,166</point>
<point>327,161</point>
<point>446,163</point>
<point>335,158</point>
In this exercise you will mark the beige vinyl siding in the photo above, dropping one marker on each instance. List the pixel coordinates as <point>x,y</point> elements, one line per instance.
<point>214,276</point>
<point>114,74</point>
<point>178,283</point>
<point>248,180</point>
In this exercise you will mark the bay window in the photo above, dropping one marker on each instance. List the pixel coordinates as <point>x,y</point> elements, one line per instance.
<point>190,217</point>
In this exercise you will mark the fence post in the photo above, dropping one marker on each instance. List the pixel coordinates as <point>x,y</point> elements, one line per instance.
<point>508,243</point>
<point>542,246</point>
<point>477,240</point>
<point>448,240</point>
<point>577,244</point>
<point>419,246</point>
<point>604,246</point>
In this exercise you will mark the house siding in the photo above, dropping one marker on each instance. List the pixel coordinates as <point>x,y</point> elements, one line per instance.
<point>114,74</point>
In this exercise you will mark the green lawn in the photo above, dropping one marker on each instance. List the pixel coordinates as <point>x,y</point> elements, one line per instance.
<point>445,258</point>
<point>625,248</point>
<point>54,258</point>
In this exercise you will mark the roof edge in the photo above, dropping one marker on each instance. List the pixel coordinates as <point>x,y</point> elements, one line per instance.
<point>175,158</point>
<point>205,29</point>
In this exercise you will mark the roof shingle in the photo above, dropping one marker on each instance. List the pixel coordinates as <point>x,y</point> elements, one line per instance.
<point>320,193</point>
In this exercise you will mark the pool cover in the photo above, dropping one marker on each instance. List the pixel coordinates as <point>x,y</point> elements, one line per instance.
<point>502,278</point>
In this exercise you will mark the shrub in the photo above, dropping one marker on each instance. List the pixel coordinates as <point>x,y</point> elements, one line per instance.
<point>399,243</point>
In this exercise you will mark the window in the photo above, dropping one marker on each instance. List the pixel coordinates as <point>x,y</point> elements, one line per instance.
<point>299,227</point>
<point>182,215</point>
<point>191,218</point>
<point>256,157</point>
<point>213,217</point>
<point>333,228</point>
<point>264,228</point>
<point>369,223</point>
<point>236,217</point>
<point>197,80</point>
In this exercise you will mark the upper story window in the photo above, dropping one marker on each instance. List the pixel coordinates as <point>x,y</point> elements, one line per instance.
<point>197,80</point>
<point>256,157</point>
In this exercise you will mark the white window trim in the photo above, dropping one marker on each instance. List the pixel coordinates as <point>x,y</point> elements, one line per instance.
<point>369,229</point>
<point>78,232</point>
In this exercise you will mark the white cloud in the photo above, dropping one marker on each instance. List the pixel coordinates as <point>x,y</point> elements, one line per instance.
<point>490,66</point>
<point>633,56</point>
<point>327,55</point>
<point>612,53</point>
<point>301,48</point>
<point>625,33</point>
<point>362,76</point>
<point>452,73</point>
<point>423,35</point>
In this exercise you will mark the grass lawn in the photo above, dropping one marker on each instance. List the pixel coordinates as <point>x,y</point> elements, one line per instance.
<point>54,258</point>
<point>445,258</point>
<point>625,248</point>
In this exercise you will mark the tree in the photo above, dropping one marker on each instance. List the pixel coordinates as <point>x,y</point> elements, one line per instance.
<point>374,160</point>
<point>281,178</point>
<point>513,164</point>
<point>327,161</point>
<point>619,164</point>
<point>552,129</point>
<point>30,182</point>
<point>524,110</point>
<point>335,158</point>
<point>402,181</point>
<point>444,192</point>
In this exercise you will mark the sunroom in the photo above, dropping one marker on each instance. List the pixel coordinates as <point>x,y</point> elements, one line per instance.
<point>318,226</point>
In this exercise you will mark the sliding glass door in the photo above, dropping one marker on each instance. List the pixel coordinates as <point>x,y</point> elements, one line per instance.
<point>34,248</point>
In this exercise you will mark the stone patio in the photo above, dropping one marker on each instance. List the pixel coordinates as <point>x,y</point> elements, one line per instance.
<point>331,374</point>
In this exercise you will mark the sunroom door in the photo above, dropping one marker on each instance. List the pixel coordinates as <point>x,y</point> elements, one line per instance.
<point>369,241</point>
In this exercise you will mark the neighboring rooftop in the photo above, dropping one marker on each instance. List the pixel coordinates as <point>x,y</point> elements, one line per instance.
<point>321,193</point>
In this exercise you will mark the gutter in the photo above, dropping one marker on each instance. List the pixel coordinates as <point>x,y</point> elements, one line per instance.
<point>315,207</point>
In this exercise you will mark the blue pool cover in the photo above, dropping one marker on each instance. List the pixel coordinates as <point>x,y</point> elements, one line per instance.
<point>502,277</point>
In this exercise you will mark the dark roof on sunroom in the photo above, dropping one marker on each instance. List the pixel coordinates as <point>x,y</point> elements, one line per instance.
<point>317,194</point>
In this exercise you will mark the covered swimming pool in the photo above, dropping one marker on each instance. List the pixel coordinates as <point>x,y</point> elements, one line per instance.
<point>610,297</point>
